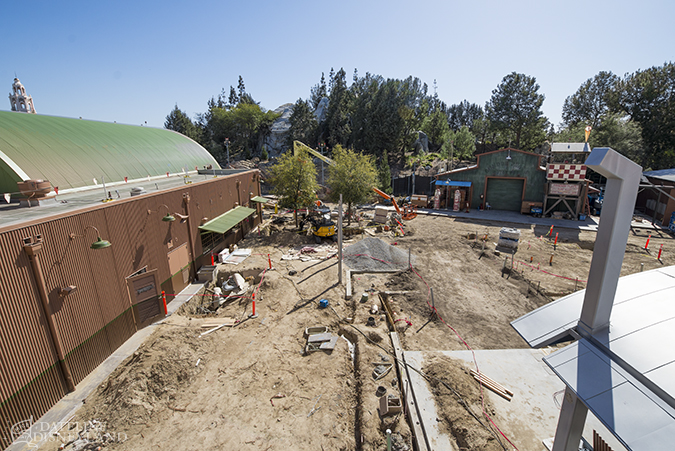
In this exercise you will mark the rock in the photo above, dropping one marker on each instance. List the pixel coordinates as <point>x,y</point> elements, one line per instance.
<point>321,110</point>
<point>422,142</point>
<point>275,143</point>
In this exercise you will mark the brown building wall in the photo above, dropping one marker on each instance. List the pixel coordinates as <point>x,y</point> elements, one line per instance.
<point>97,317</point>
<point>645,195</point>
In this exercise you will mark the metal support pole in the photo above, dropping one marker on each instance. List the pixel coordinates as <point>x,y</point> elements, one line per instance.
<point>340,241</point>
<point>570,423</point>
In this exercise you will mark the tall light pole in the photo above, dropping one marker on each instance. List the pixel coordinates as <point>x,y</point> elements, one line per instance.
<point>227,146</point>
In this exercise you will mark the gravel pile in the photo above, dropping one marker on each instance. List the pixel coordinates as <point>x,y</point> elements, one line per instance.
<point>367,253</point>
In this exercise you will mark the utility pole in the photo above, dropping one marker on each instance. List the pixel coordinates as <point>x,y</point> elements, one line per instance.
<point>340,241</point>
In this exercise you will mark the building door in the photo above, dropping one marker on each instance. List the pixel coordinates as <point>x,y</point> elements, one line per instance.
<point>504,194</point>
<point>144,292</point>
<point>179,266</point>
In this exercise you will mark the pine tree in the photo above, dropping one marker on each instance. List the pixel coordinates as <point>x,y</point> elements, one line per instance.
<point>233,100</point>
<point>384,174</point>
<point>241,88</point>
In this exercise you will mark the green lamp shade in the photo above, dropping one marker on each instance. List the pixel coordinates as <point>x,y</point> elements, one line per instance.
<point>168,218</point>
<point>100,244</point>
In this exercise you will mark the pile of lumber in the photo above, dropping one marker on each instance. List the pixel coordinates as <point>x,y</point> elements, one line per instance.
<point>492,385</point>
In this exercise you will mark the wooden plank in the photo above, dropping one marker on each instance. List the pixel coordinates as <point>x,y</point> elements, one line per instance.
<point>387,310</point>
<point>492,381</point>
<point>213,322</point>
<point>317,338</point>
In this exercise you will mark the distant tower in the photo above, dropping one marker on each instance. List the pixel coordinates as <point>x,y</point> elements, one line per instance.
<point>19,100</point>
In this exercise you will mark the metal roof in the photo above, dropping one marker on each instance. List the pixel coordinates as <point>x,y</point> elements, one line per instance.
<point>570,148</point>
<point>262,200</point>
<point>624,374</point>
<point>227,220</point>
<point>71,153</point>
<point>451,183</point>
<point>662,174</point>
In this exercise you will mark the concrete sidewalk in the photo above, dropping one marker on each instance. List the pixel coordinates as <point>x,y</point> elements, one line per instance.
<point>41,429</point>
<point>529,419</point>
<point>590,223</point>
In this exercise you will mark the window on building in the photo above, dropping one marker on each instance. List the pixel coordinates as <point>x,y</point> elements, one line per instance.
<point>211,240</point>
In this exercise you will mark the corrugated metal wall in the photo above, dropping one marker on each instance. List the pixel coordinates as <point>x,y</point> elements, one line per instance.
<point>521,164</point>
<point>98,317</point>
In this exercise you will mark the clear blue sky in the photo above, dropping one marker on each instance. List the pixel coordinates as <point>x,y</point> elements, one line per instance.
<point>131,62</point>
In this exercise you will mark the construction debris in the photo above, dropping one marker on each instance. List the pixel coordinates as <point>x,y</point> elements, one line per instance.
<point>319,339</point>
<point>390,405</point>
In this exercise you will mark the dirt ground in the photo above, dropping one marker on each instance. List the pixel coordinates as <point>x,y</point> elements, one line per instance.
<point>253,385</point>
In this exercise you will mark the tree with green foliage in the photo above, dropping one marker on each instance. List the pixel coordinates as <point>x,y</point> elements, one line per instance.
<point>615,131</point>
<point>463,113</point>
<point>594,99</point>
<point>233,98</point>
<point>649,98</point>
<point>353,175</point>
<point>245,125</point>
<point>318,92</point>
<point>463,143</point>
<point>384,173</point>
<point>336,127</point>
<point>294,180</point>
<point>514,110</point>
<point>179,122</point>
<point>303,124</point>
<point>436,127</point>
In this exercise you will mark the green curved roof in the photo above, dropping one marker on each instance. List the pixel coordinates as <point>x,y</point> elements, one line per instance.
<point>70,153</point>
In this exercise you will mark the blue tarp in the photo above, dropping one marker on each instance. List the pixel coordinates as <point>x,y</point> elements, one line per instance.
<point>451,183</point>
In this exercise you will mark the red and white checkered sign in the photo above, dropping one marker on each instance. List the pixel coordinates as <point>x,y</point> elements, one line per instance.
<point>572,172</point>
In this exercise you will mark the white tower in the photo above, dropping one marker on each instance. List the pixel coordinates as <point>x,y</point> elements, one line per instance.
<point>19,100</point>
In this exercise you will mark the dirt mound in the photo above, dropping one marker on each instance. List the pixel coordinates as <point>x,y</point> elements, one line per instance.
<point>278,238</point>
<point>458,397</point>
<point>373,254</point>
<point>147,382</point>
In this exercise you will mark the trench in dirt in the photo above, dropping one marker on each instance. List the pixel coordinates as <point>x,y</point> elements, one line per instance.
<point>358,386</point>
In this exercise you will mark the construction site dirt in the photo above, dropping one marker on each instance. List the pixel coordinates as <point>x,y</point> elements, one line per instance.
<point>260,384</point>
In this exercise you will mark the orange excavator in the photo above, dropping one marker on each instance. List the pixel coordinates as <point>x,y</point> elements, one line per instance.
<point>409,212</point>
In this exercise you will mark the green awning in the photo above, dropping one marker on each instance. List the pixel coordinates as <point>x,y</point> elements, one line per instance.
<point>262,200</point>
<point>228,220</point>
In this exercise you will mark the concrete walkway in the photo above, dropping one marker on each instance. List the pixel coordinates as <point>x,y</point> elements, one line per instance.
<point>513,217</point>
<point>41,430</point>
<point>529,419</point>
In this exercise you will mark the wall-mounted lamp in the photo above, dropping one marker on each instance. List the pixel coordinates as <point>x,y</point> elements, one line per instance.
<point>98,244</point>
<point>508,157</point>
<point>183,218</point>
<point>168,217</point>
<point>65,291</point>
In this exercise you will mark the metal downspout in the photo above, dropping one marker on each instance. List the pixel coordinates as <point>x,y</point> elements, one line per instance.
<point>32,250</point>
<point>186,201</point>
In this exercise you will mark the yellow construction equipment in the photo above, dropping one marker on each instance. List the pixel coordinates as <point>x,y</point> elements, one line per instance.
<point>321,224</point>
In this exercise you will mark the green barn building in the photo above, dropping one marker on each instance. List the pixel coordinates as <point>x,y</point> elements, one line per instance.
<point>505,178</point>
